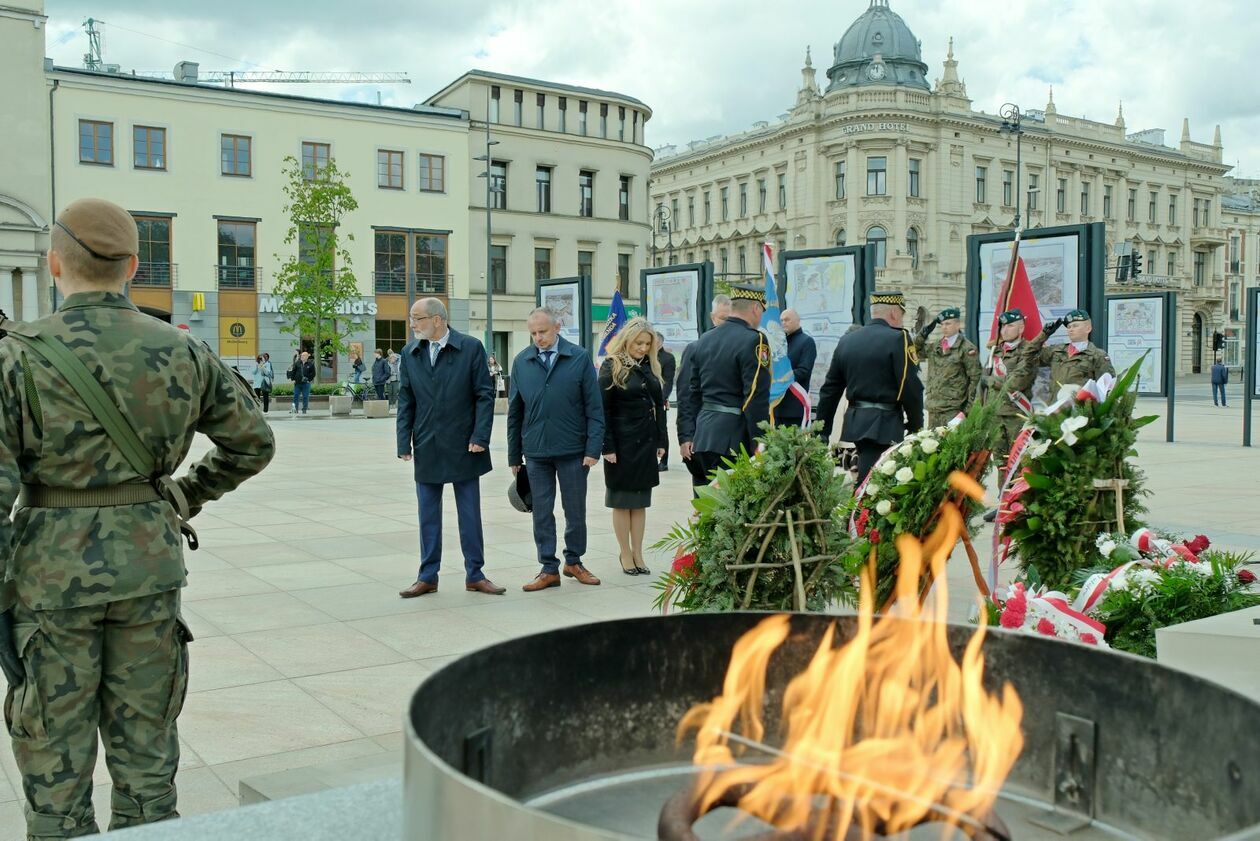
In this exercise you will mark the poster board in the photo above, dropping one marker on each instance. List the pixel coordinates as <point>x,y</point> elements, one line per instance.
<point>1251,361</point>
<point>827,288</point>
<point>570,299</point>
<point>1137,325</point>
<point>675,300</point>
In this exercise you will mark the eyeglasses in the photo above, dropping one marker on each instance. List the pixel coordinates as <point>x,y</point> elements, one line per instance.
<point>414,320</point>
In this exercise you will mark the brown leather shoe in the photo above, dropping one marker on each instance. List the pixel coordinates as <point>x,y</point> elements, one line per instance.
<point>486,586</point>
<point>542,581</point>
<point>581,573</point>
<point>420,588</point>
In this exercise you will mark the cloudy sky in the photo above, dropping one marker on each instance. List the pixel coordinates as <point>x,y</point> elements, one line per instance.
<point>708,67</point>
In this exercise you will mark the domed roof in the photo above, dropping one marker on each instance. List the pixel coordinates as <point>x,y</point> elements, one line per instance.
<point>878,37</point>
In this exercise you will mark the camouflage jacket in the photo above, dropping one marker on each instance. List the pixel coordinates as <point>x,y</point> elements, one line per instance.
<point>1070,369</point>
<point>953,376</point>
<point>170,386</point>
<point>1012,371</point>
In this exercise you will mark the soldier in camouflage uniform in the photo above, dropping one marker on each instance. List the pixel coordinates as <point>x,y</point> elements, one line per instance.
<point>1076,362</point>
<point>93,561</point>
<point>1010,373</point>
<point>953,377</point>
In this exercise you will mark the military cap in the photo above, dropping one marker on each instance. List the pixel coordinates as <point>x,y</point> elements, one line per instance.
<point>1010,317</point>
<point>102,228</point>
<point>891,297</point>
<point>748,292</point>
<point>950,312</point>
<point>1076,315</point>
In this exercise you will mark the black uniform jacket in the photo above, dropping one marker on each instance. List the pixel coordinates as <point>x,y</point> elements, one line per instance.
<point>875,366</point>
<point>728,392</point>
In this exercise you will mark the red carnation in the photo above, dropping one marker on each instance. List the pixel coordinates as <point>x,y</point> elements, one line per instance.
<point>874,535</point>
<point>684,562</point>
<point>1089,639</point>
<point>1012,617</point>
<point>1246,576</point>
<point>1045,626</point>
<point>863,521</point>
<point>1198,544</point>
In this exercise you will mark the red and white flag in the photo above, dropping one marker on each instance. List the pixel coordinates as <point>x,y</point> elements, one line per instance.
<point>1018,295</point>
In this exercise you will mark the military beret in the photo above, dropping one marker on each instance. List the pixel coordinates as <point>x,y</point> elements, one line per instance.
<point>950,312</point>
<point>890,297</point>
<point>748,292</point>
<point>1076,315</point>
<point>1010,317</point>
<point>102,228</point>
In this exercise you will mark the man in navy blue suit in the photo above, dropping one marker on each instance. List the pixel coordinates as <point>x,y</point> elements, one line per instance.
<point>445,412</point>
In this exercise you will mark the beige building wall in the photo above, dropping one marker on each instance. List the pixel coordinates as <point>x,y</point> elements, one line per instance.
<point>25,191</point>
<point>1240,214</point>
<point>609,151</point>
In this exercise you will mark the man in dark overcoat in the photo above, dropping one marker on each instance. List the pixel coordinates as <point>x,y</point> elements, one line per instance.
<point>445,412</point>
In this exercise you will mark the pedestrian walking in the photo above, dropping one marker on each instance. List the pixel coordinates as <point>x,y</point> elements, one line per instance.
<point>728,394</point>
<point>718,312</point>
<point>302,372</point>
<point>556,427</point>
<point>953,375</point>
<point>496,372</point>
<point>357,368</point>
<point>394,362</point>
<point>445,413</point>
<point>802,353</point>
<point>1220,378</point>
<point>381,373</point>
<point>876,368</point>
<point>263,381</point>
<point>669,369</point>
<point>91,639</point>
<point>635,436</point>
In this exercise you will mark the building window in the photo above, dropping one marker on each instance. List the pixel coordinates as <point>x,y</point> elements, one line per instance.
<point>634,126</point>
<point>518,106</point>
<point>726,203</point>
<point>1200,267</point>
<point>1172,209</point>
<point>149,147</point>
<point>155,251</point>
<point>782,191</point>
<point>1234,259</point>
<point>498,267</point>
<point>877,238</point>
<point>564,113</point>
<point>674,219</point>
<point>1084,199</point>
<point>312,239</point>
<point>542,110</point>
<point>743,200</point>
<point>494,103</point>
<point>542,263</point>
<point>498,185</point>
<point>623,274</point>
<point>542,188</point>
<point>761,195</point>
<point>1172,264</point>
<point>1107,191</point>
<point>586,264</point>
<point>314,159</point>
<point>1060,196</point>
<point>743,261</point>
<point>1131,210</point>
<point>982,176</point>
<point>391,334</point>
<point>430,264</point>
<point>876,176</point>
<point>389,169</point>
<point>1032,193</point>
<point>432,174</point>
<point>621,123</point>
<point>912,246</point>
<point>96,142</point>
<point>1235,297</point>
<point>390,275</point>
<point>236,255</point>
<point>1197,204</point>
<point>586,193</point>
<point>915,166</point>
<point>841,237</point>
<point>724,261</point>
<point>708,216</point>
<point>582,118</point>
<point>691,211</point>
<point>1150,259</point>
<point>840,179</point>
<point>234,155</point>
<point>603,119</point>
<point>623,198</point>
<point>1150,207</point>
<point>1008,188</point>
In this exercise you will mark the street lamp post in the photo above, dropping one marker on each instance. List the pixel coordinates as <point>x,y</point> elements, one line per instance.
<point>1012,124</point>
<point>490,190</point>
<point>661,219</point>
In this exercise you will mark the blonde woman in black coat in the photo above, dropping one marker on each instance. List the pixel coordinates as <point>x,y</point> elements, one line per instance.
<point>634,436</point>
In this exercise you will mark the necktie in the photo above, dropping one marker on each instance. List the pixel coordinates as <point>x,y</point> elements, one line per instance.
<point>434,347</point>
<point>547,354</point>
<point>1073,350</point>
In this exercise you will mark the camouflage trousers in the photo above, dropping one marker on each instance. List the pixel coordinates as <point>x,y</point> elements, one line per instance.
<point>1011,426</point>
<point>119,668</point>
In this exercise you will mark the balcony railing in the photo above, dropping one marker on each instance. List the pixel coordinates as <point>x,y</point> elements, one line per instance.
<point>416,283</point>
<point>236,277</point>
<point>1149,280</point>
<point>155,275</point>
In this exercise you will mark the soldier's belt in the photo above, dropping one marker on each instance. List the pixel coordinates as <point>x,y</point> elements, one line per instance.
<point>130,493</point>
<point>717,407</point>
<point>866,404</point>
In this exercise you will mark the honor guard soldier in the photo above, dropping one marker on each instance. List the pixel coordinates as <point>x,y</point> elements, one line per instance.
<point>1076,362</point>
<point>953,376</point>
<point>878,369</point>
<point>99,404</point>
<point>728,392</point>
<point>1012,373</point>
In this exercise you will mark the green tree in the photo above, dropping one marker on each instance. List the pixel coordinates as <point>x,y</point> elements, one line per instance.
<point>316,283</point>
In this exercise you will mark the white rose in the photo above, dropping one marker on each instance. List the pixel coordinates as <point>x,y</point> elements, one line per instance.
<point>904,475</point>
<point>871,489</point>
<point>888,468</point>
<point>883,508</point>
<point>1106,548</point>
<point>930,446</point>
<point>905,450</point>
<point>941,430</point>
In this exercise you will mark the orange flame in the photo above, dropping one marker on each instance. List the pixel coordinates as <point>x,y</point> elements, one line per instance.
<point>888,730</point>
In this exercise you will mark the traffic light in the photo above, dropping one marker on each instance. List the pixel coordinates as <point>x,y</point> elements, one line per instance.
<point>1218,341</point>
<point>1135,264</point>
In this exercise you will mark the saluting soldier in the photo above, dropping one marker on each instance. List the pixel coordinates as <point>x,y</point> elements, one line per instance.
<point>953,376</point>
<point>878,369</point>
<point>1076,362</point>
<point>93,558</point>
<point>1012,373</point>
<point>728,392</point>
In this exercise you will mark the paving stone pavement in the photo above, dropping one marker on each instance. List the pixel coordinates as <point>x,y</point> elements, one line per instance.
<point>306,655</point>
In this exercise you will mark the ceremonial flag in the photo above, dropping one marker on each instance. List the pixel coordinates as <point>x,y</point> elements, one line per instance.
<point>1018,295</point>
<point>617,319</point>
<point>783,384</point>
